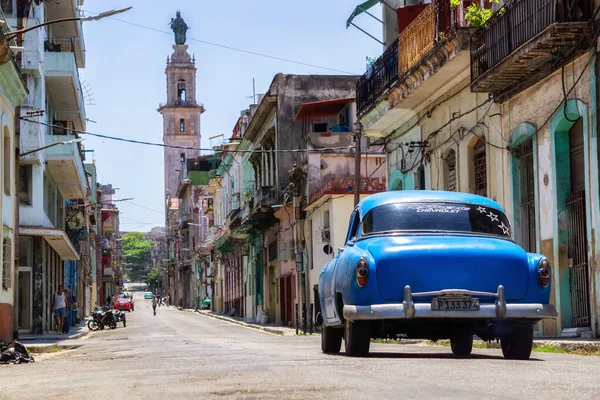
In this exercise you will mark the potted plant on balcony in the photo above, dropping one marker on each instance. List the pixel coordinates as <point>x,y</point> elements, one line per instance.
<point>475,15</point>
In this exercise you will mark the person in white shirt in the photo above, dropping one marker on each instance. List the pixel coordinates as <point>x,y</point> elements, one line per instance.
<point>60,308</point>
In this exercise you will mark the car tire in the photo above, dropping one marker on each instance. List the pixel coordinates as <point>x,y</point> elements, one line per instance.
<point>331,339</point>
<point>461,344</point>
<point>357,338</point>
<point>518,344</point>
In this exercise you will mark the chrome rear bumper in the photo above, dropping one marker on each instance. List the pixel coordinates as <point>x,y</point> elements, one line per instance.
<point>409,310</point>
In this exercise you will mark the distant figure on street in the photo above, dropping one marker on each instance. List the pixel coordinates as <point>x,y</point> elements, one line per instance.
<point>67,318</point>
<point>154,304</point>
<point>159,300</point>
<point>60,308</point>
<point>112,302</point>
<point>75,310</point>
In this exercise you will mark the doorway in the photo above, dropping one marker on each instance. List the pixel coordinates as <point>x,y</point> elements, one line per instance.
<point>25,299</point>
<point>577,230</point>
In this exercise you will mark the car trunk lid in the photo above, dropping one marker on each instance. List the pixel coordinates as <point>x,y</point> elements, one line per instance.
<point>432,262</point>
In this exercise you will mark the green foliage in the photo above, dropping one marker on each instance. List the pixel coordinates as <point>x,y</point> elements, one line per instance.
<point>137,254</point>
<point>454,3</point>
<point>476,15</point>
<point>153,275</point>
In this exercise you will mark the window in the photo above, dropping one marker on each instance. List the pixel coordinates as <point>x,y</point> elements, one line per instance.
<point>480,168</point>
<point>419,178</point>
<point>320,127</point>
<point>25,184</point>
<point>50,199</point>
<point>353,229</point>
<point>6,264</point>
<point>527,195</point>
<point>7,6</point>
<point>182,125</point>
<point>7,161</point>
<point>436,217</point>
<point>181,95</point>
<point>450,171</point>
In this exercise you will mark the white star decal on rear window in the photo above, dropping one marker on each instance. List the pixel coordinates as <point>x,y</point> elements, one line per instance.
<point>505,229</point>
<point>493,216</point>
<point>481,209</point>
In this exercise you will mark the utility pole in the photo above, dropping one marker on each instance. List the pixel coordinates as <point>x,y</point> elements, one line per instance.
<point>357,136</point>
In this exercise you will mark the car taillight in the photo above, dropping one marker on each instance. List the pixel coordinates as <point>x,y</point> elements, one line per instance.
<point>362,272</point>
<point>544,272</point>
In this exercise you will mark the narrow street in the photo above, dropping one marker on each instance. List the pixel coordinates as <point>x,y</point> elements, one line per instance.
<point>183,354</point>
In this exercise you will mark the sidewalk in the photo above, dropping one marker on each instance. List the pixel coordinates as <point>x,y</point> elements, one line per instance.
<point>48,342</point>
<point>269,328</point>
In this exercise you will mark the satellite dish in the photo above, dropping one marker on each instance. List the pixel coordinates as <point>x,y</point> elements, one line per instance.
<point>327,249</point>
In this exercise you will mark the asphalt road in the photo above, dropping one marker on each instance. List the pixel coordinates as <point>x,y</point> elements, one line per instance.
<point>178,354</point>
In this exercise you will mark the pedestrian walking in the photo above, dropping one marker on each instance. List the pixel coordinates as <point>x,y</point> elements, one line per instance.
<point>60,308</point>
<point>154,304</point>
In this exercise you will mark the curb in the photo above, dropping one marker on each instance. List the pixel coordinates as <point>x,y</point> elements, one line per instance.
<point>272,331</point>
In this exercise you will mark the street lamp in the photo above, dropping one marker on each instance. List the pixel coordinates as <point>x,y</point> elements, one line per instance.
<point>78,140</point>
<point>105,14</point>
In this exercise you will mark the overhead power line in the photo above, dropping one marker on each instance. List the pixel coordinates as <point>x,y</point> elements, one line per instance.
<point>325,150</point>
<point>223,46</point>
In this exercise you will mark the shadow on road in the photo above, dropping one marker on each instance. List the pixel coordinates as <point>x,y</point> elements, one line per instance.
<point>431,355</point>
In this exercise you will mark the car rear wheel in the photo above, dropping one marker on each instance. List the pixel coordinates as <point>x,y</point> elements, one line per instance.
<point>518,344</point>
<point>331,339</point>
<point>357,338</point>
<point>461,344</point>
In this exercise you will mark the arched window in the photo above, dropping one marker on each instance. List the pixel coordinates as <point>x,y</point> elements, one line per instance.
<point>480,168</point>
<point>181,94</point>
<point>450,171</point>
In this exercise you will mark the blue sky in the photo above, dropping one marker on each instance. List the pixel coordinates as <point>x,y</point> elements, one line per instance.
<point>125,75</point>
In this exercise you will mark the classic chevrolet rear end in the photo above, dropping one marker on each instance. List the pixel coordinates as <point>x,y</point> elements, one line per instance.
<point>433,265</point>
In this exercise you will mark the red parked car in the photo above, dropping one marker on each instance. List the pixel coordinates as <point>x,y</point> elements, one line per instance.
<point>124,302</point>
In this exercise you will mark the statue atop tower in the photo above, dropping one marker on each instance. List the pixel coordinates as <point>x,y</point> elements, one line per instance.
<point>179,28</point>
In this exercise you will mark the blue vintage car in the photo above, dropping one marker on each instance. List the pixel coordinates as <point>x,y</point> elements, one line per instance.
<point>432,265</point>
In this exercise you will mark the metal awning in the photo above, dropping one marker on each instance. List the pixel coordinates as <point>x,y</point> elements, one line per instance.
<point>321,109</point>
<point>56,238</point>
<point>363,8</point>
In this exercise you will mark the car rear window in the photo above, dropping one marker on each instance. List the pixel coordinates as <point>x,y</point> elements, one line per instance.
<point>448,217</point>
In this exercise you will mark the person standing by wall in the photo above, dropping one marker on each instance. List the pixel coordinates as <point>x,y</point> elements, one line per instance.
<point>60,308</point>
<point>67,316</point>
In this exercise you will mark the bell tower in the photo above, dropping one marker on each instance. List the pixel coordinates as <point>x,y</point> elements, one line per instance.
<point>181,113</point>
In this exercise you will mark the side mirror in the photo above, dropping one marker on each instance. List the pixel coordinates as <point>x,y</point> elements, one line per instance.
<point>340,250</point>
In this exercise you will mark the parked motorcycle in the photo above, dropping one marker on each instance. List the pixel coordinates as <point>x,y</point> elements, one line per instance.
<point>100,319</point>
<point>120,317</point>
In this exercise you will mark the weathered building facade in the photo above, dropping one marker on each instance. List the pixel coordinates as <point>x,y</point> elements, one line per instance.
<point>511,119</point>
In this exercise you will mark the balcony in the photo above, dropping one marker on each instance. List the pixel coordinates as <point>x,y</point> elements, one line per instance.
<point>382,76</point>
<point>66,166</point>
<point>406,76</point>
<point>69,29</point>
<point>527,40</point>
<point>345,185</point>
<point>265,197</point>
<point>63,85</point>
<point>108,272</point>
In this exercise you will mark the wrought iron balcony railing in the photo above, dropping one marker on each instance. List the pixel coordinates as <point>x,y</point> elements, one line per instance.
<point>434,23</point>
<point>518,22</point>
<point>379,78</point>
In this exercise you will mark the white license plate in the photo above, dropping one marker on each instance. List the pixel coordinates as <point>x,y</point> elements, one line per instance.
<point>442,304</point>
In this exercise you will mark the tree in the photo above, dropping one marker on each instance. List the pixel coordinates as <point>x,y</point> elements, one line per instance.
<point>137,253</point>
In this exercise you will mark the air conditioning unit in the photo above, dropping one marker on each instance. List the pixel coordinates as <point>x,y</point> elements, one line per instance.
<point>325,236</point>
